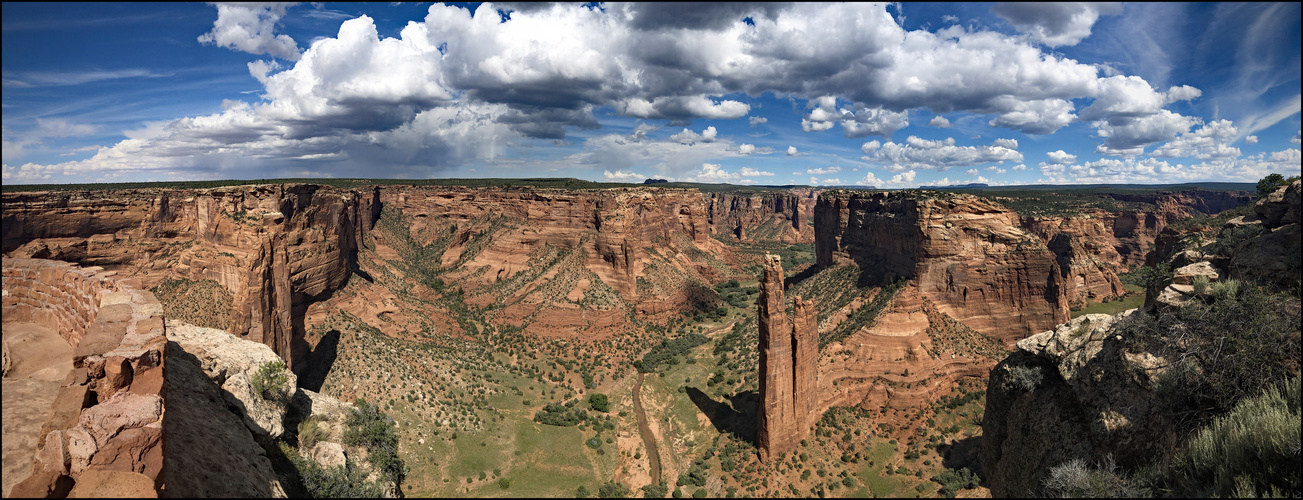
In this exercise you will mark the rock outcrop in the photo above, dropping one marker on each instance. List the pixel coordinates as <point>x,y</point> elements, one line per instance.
<point>232,364</point>
<point>969,256</point>
<point>1076,391</point>
<point>789,354</point>
<point>1272,256</point>
<point>108,416</point>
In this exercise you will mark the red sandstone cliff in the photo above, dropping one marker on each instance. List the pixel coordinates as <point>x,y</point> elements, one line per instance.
<point>571,262</point>
<point>969,256</point>
<point>275,248</point>
<point>781,216</point>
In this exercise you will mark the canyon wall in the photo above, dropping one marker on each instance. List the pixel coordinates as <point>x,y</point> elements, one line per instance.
<point>768,215</point>
<point>1183,204</point>
<point>275,248</point>
<point>614,227</point>
<point>105,427</point>
<point>968,256</point>
<point>278,249</point>
<point>1087,250</point>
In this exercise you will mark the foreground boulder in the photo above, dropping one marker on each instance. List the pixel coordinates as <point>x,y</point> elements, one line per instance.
<point>1074,392</point>
<point>233,363</point>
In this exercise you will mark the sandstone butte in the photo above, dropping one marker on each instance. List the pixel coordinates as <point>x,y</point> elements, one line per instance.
<point>973,267</point>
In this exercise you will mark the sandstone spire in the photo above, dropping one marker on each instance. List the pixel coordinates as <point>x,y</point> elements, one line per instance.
<point>789,353</point>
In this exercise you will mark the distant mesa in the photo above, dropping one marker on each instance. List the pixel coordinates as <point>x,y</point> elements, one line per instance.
<point>655,181</point>
<point>962,186</point>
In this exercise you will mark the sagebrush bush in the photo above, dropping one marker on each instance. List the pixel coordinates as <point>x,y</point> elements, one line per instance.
<point>1251,451</point>
<point>345,481</point>
<point>310,432</point>
<point>1076,479</point>
<point>1200,284</point>
<point>1024,377</point>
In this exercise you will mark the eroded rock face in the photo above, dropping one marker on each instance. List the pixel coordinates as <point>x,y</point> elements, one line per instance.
<point>274,247</point>
<point>789,354</point>
<point>211,451</point>
<point>1089,250</point>
<point>232,364</point>
<point>969,256</point>
<point>1076,391</point>
<point>1273,255</point>
<point>780,216</point>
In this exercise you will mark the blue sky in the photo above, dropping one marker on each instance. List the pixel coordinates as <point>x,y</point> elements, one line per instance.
<point>888,95</point>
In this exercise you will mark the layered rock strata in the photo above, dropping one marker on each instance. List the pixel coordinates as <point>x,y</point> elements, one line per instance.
<point>789,355</point>
<point>969,256</point>
<point>275,248</point>
<point>781,216</point>
<point>107,421</point>
<point>1087,252</point>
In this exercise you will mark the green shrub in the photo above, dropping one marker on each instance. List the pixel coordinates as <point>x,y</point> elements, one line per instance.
<point>655,490</point>
<point>310,432</point>
<point>270,382</point>
<point>504,483</point>
<point>1226,289</point>
<point>1024,377</point>
<point>599,402</point>
<point>700,493</point>
<point>1251,451</point>
<point>559,415</point>
<point>1200,284</point>
<point>371,428</point>
<point>1269,184</point>
<point>1231,348</point>
<point>347,481</point>
<point>613,489</point>
<point>952,481</point>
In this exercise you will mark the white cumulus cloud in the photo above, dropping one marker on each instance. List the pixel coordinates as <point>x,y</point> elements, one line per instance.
<point>251,28</point>
<point>916,153</point>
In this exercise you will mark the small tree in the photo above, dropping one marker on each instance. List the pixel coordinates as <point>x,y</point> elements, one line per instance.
<point>1268,184</point>
<point>270,381</point>
<point>613,489</point>
<point>371,428</point>
<point>599,402</point>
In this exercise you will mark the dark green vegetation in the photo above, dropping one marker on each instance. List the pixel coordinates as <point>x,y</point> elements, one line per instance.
<point>347,481</point>
<point>561,415</point>
<point>1237,341</point>
<point>952,481</point>
<point>1268,184</point>
<point>370,428</point>
<point>271,381</point>
<point>668,352</point>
